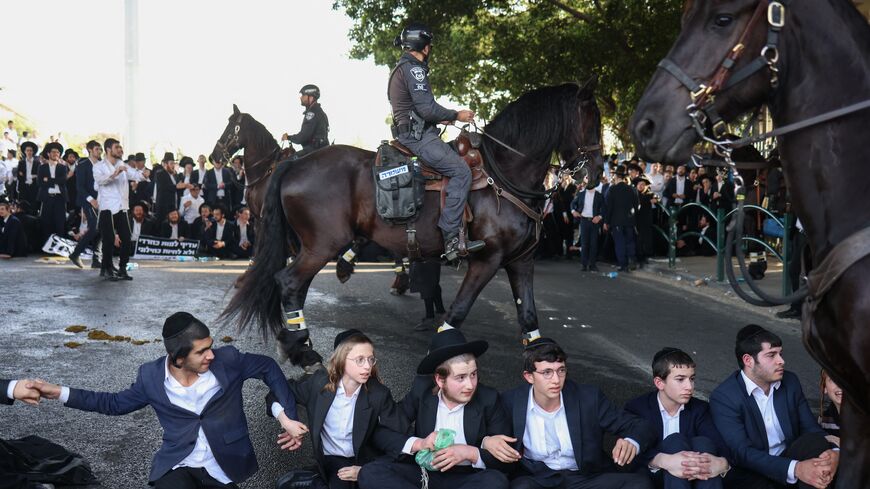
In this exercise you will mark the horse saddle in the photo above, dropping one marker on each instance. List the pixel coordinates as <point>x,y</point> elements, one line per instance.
<point>467,146</point>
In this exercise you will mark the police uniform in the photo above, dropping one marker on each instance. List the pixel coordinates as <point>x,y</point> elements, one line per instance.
<point>314,133</point>
<point>409,91</point>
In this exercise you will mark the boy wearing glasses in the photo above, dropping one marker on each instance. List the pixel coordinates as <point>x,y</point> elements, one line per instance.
<point>558,428</point>
<point>688,442</point>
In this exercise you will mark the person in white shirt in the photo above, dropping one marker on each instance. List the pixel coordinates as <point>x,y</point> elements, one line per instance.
<point>445,395</point>
<point>244,247</point>
<point>686,454</point>
<point>656,179</point>
<point>190,203</point>
<point>762,414</point>
<point>559,426</point>
<point>346,402</point>
<point>13,134</point>
<point>111,179</point>
<point>196,393</point>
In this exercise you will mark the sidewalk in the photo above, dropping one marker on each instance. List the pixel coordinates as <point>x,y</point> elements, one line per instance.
<point>698,274</point>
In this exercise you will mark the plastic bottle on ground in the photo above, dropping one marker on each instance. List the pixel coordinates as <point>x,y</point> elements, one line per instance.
<point>132,266</point>
<point>612,275</point>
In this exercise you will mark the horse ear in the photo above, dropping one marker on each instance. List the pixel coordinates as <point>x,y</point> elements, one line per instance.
<point>235,109</point>
<point>590,84</point>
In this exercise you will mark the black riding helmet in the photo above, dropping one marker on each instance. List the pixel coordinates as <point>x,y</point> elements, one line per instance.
<point>415,37</point>
<point>311,90</point>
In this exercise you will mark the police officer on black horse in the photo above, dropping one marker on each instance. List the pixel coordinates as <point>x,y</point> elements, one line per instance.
<point>415,115</point>
<point>314,133</point>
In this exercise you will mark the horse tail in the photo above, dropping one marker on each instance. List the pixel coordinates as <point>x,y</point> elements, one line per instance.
<point>258,298</point>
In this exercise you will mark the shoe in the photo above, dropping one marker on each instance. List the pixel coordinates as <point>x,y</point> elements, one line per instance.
<point>96,264</point>
<point>425,324</point>
<point>123,276</point>
<point>789,313</point>
<point>76,260</point>
<point>451,247</point>
<point>584,269</point>
<point>106,272</point>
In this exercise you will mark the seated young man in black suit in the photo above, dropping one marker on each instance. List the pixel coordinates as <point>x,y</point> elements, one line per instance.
<point>558,429</point>
<point>688,444</point>
<point>763,416</point>
<point>445,395</point>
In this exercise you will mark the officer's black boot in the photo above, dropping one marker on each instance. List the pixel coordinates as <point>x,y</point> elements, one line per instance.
<point>452,249</point>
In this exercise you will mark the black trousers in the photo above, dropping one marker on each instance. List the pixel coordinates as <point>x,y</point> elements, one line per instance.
<point>90,237</point>
<point>677,443</point>
<point>53,216</point>
<point>111,224</point>
<point>383,474</point>
<point>331,466</point>
<point>536,475</point>
<point>807,446</point>
<point>588,242</point>
<point>189,478</point>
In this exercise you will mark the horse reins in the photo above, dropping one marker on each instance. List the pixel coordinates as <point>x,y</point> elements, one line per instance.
<point>235,139</point>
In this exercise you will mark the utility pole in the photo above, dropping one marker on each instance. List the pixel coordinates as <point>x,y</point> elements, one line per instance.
<point>131,75</point>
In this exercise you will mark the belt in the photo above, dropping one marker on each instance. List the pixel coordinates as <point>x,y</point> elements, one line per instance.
<point>401,129</point>
<point>587,218</point>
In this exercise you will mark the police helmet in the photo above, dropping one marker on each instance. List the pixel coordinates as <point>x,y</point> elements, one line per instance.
<point>414,37</point>
<point>311,90</point>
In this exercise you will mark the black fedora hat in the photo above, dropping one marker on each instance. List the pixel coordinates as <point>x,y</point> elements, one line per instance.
<point>51,146</point>
<point>30,144</point>
<point>168,157</point>
<point>447,344</point>
<point>139,157</point>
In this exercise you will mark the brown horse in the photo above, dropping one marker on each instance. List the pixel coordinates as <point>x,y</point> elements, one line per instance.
<point>325,201</point>
<point>804,59</point>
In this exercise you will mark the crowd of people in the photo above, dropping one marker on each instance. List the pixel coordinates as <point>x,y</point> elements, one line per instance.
<point>616,215</point>
<point>58,192</point>
<point>757,431</point>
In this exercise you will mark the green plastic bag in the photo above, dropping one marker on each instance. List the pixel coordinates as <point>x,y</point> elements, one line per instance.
<point>443,439</point>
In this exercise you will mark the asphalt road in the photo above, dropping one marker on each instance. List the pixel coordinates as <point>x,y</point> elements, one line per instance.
<point>610,328</point>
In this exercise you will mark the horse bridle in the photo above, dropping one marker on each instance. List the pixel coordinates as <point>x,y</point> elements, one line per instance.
<point>234,140</point>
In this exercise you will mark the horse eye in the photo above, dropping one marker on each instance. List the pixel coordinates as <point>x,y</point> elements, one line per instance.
<point>723,20</point>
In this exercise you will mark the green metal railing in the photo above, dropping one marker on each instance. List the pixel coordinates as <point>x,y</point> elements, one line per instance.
<point>720,219</point>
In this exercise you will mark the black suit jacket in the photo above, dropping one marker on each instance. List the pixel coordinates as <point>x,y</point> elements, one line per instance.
<point>166,195</point>
<point>230,236</point>
<point>183,229</point>
<point>621,204</point>
<point>483,416</point>
<point>695,420</point>
<point>22,178</point>
<point>579,203</point>
<point>374,407</point>
<point>197,229</point>
<point>4,385</point>
<point>45,181</point>
<point>13,241</point>
<point>210,186</point>
<point>586,407</point>
<point>149,227</point>
<point>85,182</point>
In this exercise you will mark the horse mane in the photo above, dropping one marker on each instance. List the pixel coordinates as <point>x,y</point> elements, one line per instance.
<point>539,119</point>
<point>261,138</point>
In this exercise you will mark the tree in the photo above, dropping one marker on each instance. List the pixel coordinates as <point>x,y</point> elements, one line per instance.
<point>487,52</point>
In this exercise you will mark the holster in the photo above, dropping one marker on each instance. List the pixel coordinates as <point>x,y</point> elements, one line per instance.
<point>418,125</point>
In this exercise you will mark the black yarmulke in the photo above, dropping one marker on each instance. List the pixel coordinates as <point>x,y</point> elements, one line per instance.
<point>542,341</point>
<point>176,324</point>
<point>748,332</point>
<point>340,337</point>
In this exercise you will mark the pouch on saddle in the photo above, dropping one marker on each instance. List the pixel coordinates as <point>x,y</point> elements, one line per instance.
<point>393,156</point>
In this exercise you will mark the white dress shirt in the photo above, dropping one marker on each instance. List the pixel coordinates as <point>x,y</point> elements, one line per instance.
<point>219,231</point>
<point>191,212</point>
<point>452,419</point>
<point>174,234</point>
<point>680,188</point>
<point>52,170</point>
<point>219,178</point>
<point>10,390</point>
<point>670,424</point>
<point>113,191</point>
<point>656,183</point>
<point>337,433</point>
<point>136,231</point>
<point>775,435</point>
<point>243,234</point>
<point>588,204</point>
<point>539,442</point>
<point>28,171</point>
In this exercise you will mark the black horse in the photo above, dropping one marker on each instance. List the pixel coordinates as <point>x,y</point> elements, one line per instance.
<point>803,60</point>
<point>325,201</point>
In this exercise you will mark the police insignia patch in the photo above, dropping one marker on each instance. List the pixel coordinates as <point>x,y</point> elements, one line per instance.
<point>419,73</point>
<point>309,116</point>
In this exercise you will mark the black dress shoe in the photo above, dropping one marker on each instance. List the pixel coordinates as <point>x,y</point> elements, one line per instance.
<point>76,260</point>
<point>123,276</point>
<point>106,272</point>
<point>96,264</point>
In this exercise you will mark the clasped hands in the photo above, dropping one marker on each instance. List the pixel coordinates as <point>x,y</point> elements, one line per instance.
<point>30,391</point>
<point>291,438</point>
<point>691,465</point>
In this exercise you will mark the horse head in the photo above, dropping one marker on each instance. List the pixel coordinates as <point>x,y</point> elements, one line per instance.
<point>722,60</point>
<point>233,138</point>
<point>581,151</point>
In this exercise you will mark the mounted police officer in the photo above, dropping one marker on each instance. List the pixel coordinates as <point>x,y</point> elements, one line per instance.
<point>314,133</point>
<point>415,115</point>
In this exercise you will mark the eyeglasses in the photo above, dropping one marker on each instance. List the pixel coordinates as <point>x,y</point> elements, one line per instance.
<point>548,374</point>
<point>362,361</point>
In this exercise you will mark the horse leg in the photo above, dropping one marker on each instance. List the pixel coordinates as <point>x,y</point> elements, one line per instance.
<point>480,272</point>
<point>854,468</point>
<point>402,281</point>
<point>521,275</point>
<point>293,340</point>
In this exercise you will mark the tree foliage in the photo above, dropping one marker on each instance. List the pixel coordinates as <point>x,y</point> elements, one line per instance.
<point>487,52</point>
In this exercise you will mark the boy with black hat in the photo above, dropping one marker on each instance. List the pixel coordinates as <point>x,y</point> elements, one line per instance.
<point>196,392</point>
<point>445,395</point>
<point>558,429</point>
<point>688,444</point>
